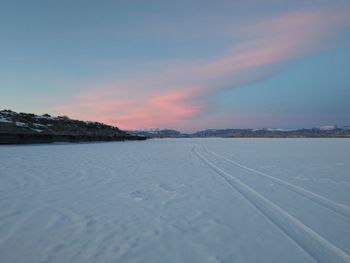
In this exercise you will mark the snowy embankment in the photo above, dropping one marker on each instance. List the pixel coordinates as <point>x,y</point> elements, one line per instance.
<point>28,128</point>
<point>176,200</point>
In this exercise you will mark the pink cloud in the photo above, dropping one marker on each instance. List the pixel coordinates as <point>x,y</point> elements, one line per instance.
<point>166,108</point>
<point>182,92</point>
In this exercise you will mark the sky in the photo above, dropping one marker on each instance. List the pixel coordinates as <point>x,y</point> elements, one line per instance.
<point>185,65</point>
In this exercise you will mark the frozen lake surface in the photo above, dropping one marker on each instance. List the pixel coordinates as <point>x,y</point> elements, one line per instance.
<point>176,200</point>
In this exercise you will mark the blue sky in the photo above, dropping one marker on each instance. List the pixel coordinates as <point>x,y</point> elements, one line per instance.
<point>186,65</point>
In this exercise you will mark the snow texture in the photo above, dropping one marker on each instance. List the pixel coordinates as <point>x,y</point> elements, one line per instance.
<point>4,120</point>
<point>21,124</point>
<point>176,200</point>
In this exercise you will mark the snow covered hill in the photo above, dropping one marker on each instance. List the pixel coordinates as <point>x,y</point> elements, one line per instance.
<point>322,132</point>
<point>176,200</point>
<point>30,128</point>
<point>156,133</point>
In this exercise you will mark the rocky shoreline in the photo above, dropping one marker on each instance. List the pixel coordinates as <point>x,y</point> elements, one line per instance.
<point>12,138</point>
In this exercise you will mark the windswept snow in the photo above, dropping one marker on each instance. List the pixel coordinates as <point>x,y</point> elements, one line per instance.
<point>21,124</point>
<point>176,200</point>
<point>4,120</point>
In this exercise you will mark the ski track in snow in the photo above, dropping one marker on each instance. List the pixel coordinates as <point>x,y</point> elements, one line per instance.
<point>330,204</point>
<point>318,247</point>
<point>162,201</point>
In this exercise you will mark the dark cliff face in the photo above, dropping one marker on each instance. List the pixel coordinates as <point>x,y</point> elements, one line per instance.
<point>30,128</point>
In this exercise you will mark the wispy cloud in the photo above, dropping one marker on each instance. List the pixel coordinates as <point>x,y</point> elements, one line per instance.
<point>187,90</point>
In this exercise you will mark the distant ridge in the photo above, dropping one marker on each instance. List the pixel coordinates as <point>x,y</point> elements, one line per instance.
<point>156,133</point>
<point>30,128</point>
<point>330,131</point>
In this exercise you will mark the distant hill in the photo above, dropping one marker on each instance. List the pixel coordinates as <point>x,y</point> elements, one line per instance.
<point>30,128</point>
<point>156,133</point>
<point>276,133</point>
<point>331,131</point>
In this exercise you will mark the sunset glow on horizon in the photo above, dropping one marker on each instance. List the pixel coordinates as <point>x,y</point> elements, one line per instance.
<point>189,65</point>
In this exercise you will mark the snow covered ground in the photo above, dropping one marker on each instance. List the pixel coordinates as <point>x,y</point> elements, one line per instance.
<point>176,200</point>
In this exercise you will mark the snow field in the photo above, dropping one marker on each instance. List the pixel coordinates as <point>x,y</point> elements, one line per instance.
<point>176,200</point>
